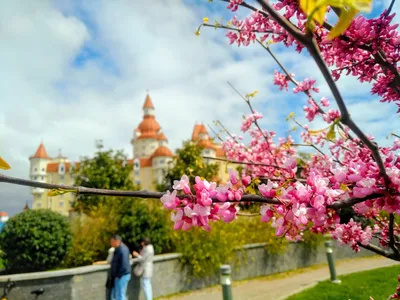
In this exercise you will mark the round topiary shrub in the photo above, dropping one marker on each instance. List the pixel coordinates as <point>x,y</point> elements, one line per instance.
<point>35,240</point>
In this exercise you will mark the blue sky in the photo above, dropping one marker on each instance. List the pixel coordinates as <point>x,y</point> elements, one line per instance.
<point>76,71</point>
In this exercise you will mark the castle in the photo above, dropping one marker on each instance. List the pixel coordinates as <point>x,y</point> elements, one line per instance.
<point>151,159</point>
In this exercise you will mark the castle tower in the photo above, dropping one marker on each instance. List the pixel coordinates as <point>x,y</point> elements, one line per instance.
<point>38,165</point>
<point>201,137</point>
<point>145,139</point>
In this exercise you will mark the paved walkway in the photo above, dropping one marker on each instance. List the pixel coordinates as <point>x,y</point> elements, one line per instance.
<point>280,288</point>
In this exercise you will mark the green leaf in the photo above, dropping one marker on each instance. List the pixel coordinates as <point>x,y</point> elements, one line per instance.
<point>345,18</point>
<point>4,165</point>
<point>331,135</point>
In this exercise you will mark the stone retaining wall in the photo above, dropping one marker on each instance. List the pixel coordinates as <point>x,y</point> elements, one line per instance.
<point>88,283</point>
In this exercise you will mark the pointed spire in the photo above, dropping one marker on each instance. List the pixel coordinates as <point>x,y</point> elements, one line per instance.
<point>147,102</point>
<point>26,207</point>
<point>40,152</point>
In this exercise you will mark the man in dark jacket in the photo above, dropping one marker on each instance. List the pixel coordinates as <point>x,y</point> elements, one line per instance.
<point>120,268</point>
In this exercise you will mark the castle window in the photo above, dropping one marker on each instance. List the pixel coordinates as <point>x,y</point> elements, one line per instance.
<point>162,161</point>
<point>42,169</point>
<point>61,203</point>
<point>38,204</point>
<point>35,169</point>
<point>42,178</point>
<point>62,169</point>
<point>35,177</point>
<point>206,152</point>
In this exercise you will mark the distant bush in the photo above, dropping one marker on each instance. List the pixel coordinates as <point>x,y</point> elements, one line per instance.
<point>145,218</point>
<point>133,219</point>
<point>35,240</point>
<point>203,252</point>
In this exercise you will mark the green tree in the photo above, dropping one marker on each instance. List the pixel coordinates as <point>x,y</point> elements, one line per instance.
<point>106,170</point>
<point>35,240</point>
<point>145,218</point>
<point>189,161</point>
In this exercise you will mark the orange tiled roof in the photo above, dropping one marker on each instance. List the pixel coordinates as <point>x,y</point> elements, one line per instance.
<point>53,167</point>
<point>40,152</point>
<point>3,214</point>
<point>149,124</point>
<point>162,151</point>
<point>148,103</point>
<point>144,162</point>
<point>195,133</point>
<point>203,129</point>
<point>207,144</point>
<point>219,152</point>
<point>162,137</point>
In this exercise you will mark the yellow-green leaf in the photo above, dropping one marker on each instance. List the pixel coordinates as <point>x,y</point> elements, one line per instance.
<point>290,116</point>
<point>250,190</point>
<point>316,132</point>
<point>307,6</point>
<point>4,165</point>
<point>346,16</point>
<point>279,192</point>
<point>57,192</point>
<point>318,13</point>
<point>361,5</point>
<point>344,187</point>
<point>331,135</point>
<point>198,31</point>
<point>251,95</point>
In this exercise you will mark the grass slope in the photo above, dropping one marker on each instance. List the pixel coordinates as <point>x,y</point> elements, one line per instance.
<point>378,283</point>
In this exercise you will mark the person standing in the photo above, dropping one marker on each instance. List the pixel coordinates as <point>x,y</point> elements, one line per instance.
<point>120,268</point>
<point>145,258</point>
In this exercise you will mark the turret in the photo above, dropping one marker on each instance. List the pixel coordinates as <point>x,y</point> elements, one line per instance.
<point>38,165</point>
<point>145,138</point>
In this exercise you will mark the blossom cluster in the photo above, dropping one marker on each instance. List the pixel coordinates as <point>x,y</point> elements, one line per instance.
<point>365,49</point>
<point>204,202</point>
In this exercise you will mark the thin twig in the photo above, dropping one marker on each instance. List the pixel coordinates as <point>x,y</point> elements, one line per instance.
<point>235,29</point>
<point>391,234</point>
<point>395,135</point>
<point>241,162</point>
<point>389,10</point>
<point>216,134</point>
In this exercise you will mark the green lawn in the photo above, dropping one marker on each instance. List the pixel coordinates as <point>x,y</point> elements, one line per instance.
<point>378,283</point>
<point>1,264</point>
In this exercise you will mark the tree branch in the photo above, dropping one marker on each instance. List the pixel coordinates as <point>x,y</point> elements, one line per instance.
<point>119,193</point>
<point>345,115</point>
<point>156,195</point>
<point>380,251</point>
<point>353,201</point>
